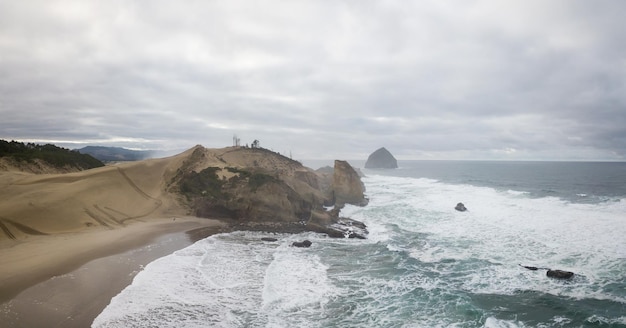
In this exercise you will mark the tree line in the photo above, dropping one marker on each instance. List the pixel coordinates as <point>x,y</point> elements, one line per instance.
<point>55,156</point>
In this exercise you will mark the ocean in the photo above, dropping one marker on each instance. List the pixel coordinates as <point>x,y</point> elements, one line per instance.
<point>423,265</point>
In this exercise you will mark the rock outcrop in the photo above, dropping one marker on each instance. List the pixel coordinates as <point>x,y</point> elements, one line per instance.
<point>257,189</point>
<point>347,186</point>
<point>304,243</point>
<point>381,159</point>
<point>460,207</point>
<point>552,273</point>
<point>559,274</point>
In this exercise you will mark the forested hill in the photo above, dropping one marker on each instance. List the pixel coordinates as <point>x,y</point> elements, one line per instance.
<point>56,157</point>
<point>114,154</point>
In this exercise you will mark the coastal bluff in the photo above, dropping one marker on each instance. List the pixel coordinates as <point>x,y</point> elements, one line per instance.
<point>246,188</point>
<point>381,159</point>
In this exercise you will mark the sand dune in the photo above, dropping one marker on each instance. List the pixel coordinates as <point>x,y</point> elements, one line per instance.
<point>48,221</point>
<point>51,224</point>
<point>110,197</point>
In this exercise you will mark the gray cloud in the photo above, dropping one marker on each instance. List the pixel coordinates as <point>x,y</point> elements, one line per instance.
<point>460,79</point>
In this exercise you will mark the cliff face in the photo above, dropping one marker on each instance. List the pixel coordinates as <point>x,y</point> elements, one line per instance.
<point>260,189</point>
<point>347,185</point>
<point>381,159</point>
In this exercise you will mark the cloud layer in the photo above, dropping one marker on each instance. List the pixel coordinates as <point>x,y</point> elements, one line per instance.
<point>320,79</point>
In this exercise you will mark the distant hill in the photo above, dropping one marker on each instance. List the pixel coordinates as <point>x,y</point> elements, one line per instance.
<point>115,154</point>
<point>36,158</point>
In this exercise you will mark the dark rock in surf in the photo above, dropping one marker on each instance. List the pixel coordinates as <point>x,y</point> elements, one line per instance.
<point>348,228</point>
<point>305,243</point>
<point>381,159</point>
<point>559,274</point>
<point>270,239</point>
<point>460,207</point>
<point>532,268</point>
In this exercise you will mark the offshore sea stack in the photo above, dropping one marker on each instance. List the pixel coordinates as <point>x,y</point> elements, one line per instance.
<point>381,159</point>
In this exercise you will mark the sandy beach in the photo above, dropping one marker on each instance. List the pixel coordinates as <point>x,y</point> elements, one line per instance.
<point>69,242</point>
<point>66,280</point>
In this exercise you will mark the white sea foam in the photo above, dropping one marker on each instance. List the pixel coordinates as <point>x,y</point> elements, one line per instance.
<point>416,269</point>
<point>295,288</point>
<point>518,193</point>
<point>230,280</point>
<point>504,229</point>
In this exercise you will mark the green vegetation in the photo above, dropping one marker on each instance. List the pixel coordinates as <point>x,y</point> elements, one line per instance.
<point>205,183</point>
<point>256,180</point>
<point>208,192</point>
<point>51,154</point>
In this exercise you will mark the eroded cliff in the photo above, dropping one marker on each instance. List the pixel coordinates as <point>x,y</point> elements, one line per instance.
<point>259,189</point>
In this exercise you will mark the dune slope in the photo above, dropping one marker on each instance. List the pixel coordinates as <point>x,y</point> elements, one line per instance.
<point>36,204</point>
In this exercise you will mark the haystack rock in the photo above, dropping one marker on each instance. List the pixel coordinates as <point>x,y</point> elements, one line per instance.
<point>381,159</point>
<point>347,185</point>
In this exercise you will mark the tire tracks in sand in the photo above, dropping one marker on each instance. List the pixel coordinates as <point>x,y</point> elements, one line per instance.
<point>158,202</point>
<point>5,223</point>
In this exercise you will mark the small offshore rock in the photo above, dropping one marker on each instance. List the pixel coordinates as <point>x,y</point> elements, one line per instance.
<point>269,239</point>
<point>304,243</point>
<point>559,274</point>
<point>348,228</point>
<point>460,207</point>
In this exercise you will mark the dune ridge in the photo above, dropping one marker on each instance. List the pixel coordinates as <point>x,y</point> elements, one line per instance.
<point>110,196</point>
<point>52,223</point>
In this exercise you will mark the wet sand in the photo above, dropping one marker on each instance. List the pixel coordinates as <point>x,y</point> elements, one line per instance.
<point>67,280</point>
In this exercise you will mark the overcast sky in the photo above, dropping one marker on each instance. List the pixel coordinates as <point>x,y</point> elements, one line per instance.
<point>320,79</point>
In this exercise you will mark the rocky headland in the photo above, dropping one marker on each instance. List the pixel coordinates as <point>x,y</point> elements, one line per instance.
<point>257,189</point>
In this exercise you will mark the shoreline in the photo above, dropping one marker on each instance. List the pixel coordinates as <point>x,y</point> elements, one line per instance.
<point>66,280</point>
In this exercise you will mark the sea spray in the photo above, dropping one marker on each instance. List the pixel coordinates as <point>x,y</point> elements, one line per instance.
<point>423,265</point>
